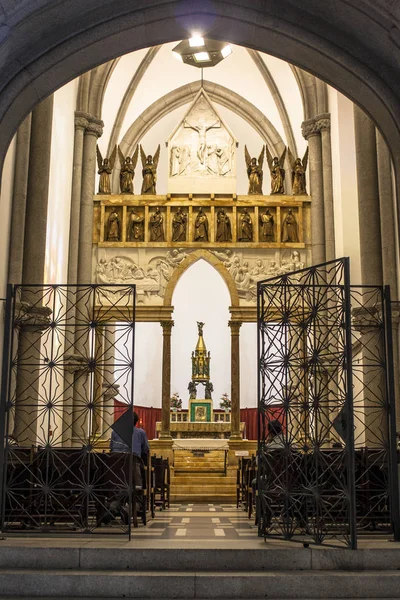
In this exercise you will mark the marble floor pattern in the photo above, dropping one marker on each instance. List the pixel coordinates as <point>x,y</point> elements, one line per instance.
<point>198,522</point>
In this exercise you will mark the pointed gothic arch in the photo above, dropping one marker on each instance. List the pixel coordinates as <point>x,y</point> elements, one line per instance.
<point>211,259</point>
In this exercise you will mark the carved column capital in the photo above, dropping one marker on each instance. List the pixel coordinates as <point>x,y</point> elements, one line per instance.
<point>167,327</point>
<point>90,124</point>
<point>235,327</point>
<point>323,122</point>
<point>95,127</point>
<point>81,120</point>
<point>315,125</point>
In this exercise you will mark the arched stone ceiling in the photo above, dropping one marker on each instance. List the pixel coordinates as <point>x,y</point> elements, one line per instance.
<point>353,45</point>
<point>100,78</point>
<point>273,88</point>
<point>186,94</point>
<point>133,84</point>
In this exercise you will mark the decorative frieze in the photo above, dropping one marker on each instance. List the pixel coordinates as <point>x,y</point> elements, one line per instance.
<point>180,221</point>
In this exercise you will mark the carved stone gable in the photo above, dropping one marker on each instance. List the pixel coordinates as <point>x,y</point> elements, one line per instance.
<point>202,152</point>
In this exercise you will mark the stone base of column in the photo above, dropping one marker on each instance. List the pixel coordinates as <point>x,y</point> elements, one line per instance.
<point>240,445</point>
<point>162,447</point>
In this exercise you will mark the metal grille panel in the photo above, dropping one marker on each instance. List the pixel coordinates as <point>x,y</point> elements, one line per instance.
<point>325,369</point>
<point>69,351</point>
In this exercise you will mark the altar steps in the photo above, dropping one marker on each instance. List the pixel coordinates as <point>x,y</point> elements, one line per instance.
<point>198,477</point>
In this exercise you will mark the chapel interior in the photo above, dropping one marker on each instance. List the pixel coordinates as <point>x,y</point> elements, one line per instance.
<point>192,170</point>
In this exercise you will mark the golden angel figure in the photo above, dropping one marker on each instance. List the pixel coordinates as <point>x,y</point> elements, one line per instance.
<point>106,166</point>
<point>277,172</point>
<point>299,168</point>
<point>128,166</point>
<point>254,171</point>
<point>149,171</point>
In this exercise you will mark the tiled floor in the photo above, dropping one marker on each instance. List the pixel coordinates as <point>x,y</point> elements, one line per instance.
<point>198,522</point>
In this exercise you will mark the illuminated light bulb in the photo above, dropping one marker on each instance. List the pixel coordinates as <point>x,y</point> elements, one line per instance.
<point>226,51</point>
<point>201,57</point>
<point>196,41</point>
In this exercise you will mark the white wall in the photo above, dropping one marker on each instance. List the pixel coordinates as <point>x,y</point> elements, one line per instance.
<point>248,365</point>
<point>201,295</point>
<point>148,365</point>
<point>345,194</point>
<point>59,203</point>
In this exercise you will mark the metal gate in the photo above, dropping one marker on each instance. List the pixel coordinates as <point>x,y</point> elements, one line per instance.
<point>327,464</point>
<point>68,351</point>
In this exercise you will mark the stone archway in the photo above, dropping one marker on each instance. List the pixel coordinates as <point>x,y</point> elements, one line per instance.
<point>210,258</point>
<point>345,45</point>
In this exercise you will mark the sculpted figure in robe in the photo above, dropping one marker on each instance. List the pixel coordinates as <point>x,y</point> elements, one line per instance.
<point>149,171</point>
<point>299,168</point>
<point>179,222</point>
<point>267,227</point>
<point>224,230</point>
<point>245,233</point>
<point>156,226</point>
<point>192,390</point>
<point>254,171</point>
<point>289,228</point>
<point>277,172</point>
<point>201,227</point>
<point>136,227</point>
<point>106,166</point>
<point>113,228</point>
<point>128,166</point>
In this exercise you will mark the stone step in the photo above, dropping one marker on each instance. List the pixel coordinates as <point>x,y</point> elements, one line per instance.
<point>197,469</point>
<point>202,478</point>
<point>203,497</point>
<point>211,490</point>
<point>198,461</point>
<point>75,554</point>
<point>81,583</point>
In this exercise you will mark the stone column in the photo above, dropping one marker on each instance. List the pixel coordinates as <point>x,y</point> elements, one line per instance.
<point>110,388</point>
<point>37,193</point>
<point>311,131</point>
<point>93,131</point>
<point>165,433</point>
<point>20,190</point>
<point>368,199</point>
<point>34,254</point>
<point>371,273</point>
<point>388,235</point>
<point>82,390</point>
<point>235,379</point>
<point>21,169</point>
<point>324,123</point>
<point>81,124</point>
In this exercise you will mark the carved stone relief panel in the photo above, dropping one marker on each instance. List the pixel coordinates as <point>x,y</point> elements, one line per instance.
<point>202,151</point>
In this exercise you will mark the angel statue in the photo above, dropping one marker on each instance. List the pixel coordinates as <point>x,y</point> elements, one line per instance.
<point>105,165</point>
<point>277,172</point>
<point>254,171</point>
<point>299,168</point>
<point>128,166</point>
<point>149,171</point>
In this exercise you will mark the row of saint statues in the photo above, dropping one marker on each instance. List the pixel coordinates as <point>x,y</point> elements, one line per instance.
<point>201,227</point>
<point>254,171</point>
<point>277,172</point>
<point>127,170</point>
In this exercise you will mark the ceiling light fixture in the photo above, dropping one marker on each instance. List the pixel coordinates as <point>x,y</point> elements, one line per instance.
<point>196,41</point>
<point>212,51</point>
<point>201,57</point>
